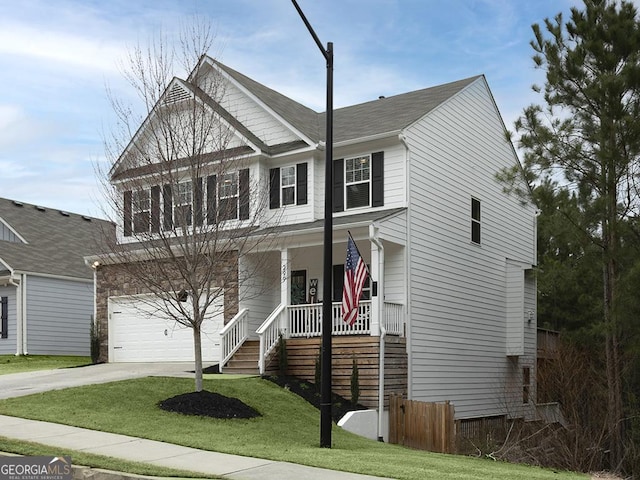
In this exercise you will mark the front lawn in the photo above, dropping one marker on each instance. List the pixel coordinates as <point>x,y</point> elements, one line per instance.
<point>288,429</point>
<point>28,363</point>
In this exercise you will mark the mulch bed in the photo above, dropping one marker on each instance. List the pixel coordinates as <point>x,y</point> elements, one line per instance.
<point>307,390</point>
<point>208,404</point>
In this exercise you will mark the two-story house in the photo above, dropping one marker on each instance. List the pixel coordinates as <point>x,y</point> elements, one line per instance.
<point>449,313</point>
<point>46,290</point>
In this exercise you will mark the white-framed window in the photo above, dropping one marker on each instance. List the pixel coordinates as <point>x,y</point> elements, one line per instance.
<point>358,181</point>
<point>228,196</point>
<point>182,203</point>
<point>141,206</point>
<point>288,185</point>
<point>475,221</point>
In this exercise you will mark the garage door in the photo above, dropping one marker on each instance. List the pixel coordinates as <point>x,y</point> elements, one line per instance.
<point>140,332</point>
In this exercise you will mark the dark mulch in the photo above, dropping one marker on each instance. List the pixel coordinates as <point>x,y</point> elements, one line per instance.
<point>208,404</point>
<point>307,390</point>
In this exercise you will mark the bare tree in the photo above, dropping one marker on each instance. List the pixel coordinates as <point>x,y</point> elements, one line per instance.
<point>181,188</point>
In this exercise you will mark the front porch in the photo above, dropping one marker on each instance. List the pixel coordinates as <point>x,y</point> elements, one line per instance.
<point>305,321</point>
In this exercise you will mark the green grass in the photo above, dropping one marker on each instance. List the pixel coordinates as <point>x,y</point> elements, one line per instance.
<point>91,460</point>
<point>28,363</point>
<point>287,431</point>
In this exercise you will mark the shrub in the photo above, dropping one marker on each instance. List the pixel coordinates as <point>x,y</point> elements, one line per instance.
<point>355,383</point>
<point>94,334</point>
<point>282,355</point>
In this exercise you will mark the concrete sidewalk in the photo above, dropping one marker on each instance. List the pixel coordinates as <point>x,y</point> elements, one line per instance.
<point>163,454</point>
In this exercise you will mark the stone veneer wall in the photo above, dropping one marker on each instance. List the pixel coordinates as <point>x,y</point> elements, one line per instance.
<point>115,280</point>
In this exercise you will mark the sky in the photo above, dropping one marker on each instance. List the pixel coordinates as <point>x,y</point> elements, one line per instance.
<point>58,57</point>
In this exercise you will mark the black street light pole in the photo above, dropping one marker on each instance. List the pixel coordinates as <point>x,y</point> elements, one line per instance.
<point>327,314</point>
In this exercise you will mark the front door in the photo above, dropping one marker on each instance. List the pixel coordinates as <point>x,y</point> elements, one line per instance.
<point>298,287</point>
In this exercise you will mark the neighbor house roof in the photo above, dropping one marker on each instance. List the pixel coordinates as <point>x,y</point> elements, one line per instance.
<point>384,115</point>
<point>55,240</point>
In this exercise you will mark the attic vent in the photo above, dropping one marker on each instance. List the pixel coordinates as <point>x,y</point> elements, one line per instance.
<point>63,213</point>
<point>84,217</point>
<point>40,209</point>
<point>177,94</point>
<point>17,203</point>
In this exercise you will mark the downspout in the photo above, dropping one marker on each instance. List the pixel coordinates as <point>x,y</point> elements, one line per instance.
<point>19,349</point>
<point>373,236</point>
<point>408,338</point>
<point>23,289</point>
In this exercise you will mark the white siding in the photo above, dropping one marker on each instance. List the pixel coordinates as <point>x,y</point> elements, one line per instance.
<point>259,286</point>
<point>457,325</point>
<point>515,308</point>
<point>8,346</point>
<point>258,120</point>
<point>58,316</point>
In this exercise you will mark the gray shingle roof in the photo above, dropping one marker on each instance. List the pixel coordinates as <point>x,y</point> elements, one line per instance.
<point>379,116</point>
<point>56,241</point>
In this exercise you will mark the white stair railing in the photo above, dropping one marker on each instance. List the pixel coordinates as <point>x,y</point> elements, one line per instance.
<point>269,332</point>
<point>233,335</point>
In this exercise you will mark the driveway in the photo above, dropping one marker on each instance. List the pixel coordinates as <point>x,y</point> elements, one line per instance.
<point>26,383</point>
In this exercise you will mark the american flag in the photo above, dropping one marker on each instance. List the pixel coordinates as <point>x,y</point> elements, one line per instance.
<point>355,274</point>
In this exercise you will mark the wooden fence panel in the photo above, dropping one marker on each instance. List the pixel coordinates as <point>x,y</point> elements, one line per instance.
<point>422,425</point>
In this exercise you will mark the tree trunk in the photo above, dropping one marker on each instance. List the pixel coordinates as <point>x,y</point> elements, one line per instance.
<point>615,415</point>
<point>197,346</point>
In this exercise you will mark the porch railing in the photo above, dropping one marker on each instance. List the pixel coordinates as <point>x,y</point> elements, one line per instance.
<point>394,318</point>
<point>306,320</point>
<point>233,335</point>
<point>269,332</point>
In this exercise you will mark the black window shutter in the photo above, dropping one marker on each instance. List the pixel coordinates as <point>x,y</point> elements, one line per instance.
<point>301,184</point>
<point>377,179</point>
<point>168,207</point>
<point>243,187</point>
<point>197,201</point>
<point>274,188</point>
<point>127,214</point>
<point>4,316</point>
<point>155,209</point>
<point>338,185</point>
<point>211,199</point>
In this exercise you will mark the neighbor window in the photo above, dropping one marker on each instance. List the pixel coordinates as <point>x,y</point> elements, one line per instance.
<point>288,185</point>
<point>182,204</point>
<point>141,210</point>
<point>475,220</point>
<point>358,181</point>
<point>4,317</point>
<point>228,196</point>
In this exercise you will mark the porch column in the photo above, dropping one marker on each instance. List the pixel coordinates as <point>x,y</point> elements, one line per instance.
<point>377,270</point>
<point>285,277</point>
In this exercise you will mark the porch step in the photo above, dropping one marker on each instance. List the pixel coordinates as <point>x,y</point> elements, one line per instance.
<point>245,360</point>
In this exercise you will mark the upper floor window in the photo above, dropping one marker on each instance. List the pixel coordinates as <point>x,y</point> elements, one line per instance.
<point>228,196</point>
<point>288,185</point>
<point>164,207</point>
<point>475,220</point>
<point>141,210</point>
<point>358,182</point>
<point>182,204</point>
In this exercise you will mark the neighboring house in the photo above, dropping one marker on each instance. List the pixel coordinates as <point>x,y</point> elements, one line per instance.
<point>452,302</point>
<point>46,289</point>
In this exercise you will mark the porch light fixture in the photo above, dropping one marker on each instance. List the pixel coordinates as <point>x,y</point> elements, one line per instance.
<point>327,314</point>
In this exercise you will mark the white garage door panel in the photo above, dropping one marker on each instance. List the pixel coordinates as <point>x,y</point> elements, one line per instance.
<point>140,333</point>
